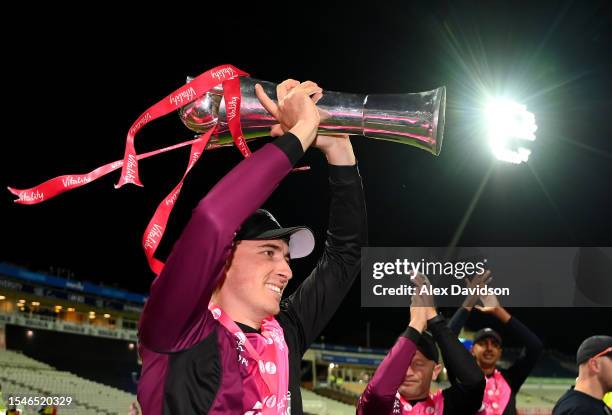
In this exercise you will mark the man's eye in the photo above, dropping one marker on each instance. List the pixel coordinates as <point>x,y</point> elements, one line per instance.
<point>269,253</point>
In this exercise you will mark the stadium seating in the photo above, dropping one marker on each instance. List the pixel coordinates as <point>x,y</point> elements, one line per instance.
<point>24,377</point>
<point>318,405</point>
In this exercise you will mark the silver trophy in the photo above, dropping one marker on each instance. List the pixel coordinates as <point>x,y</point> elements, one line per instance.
<point>415,119</point>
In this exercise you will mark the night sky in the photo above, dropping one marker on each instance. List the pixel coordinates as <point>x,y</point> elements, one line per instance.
<point>75,79</point>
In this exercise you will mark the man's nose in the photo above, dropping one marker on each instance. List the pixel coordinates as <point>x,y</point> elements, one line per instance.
<point>284,270</point>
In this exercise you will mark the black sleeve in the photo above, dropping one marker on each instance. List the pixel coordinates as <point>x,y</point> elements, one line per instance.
<point>464,396</point>
<point>458,320</point>
<point>516,374</point>
<point>291,146</point>
<point>412,334</point>
<point>455,324</point>
<point>312,305</point>
<point>379,395</point>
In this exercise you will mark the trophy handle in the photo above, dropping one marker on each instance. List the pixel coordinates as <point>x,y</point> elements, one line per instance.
<point>416,119</point>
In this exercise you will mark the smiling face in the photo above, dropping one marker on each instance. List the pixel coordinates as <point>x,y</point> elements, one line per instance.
<point>419,375</point>
<point>487,352</point>
<point>255,278</point>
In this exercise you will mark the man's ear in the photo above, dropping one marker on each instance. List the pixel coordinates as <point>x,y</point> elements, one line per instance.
<point>228,264</point>
<point>436,371</point>
<point>230,257</point>
<point>594,365</point>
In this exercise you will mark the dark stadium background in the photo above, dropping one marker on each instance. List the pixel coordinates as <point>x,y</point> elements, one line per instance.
<point>75,78</point>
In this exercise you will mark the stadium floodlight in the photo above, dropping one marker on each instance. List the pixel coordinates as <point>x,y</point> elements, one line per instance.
<point>2,297</point>
<point>509,123</point>
<point>30,334</point>
<point>106,315</point>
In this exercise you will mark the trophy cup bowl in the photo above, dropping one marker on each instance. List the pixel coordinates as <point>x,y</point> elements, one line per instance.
<point>416,119</point>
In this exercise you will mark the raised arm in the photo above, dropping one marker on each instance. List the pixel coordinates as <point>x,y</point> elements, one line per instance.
<point>458,320</point>
<point>318,297</point>
<point>467,380</point>
<point>379,395</point>
<point>462,314</point>
<point>518,372</point>
<point>520,369</point>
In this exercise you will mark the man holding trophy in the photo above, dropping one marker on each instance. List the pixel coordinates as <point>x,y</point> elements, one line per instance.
<point>215,336</point>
